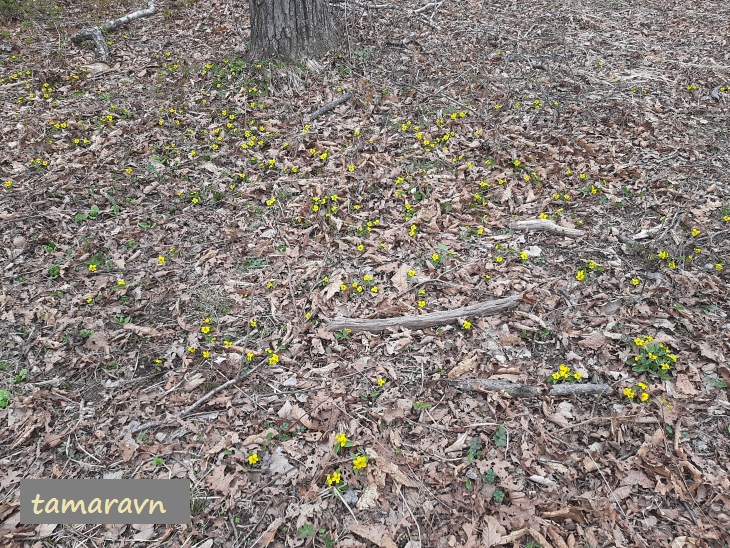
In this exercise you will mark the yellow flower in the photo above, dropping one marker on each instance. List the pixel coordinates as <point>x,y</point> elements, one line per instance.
<point>121,283</point>
<point>205,329</point>
<point>273,359</point>
<point>359,463</point>
<point>718,266</point>
<point>192,349</point>
<point>360,247</point>
<point>644,396</point>
<point>253,323</point>
<point>580,275</point>
<point>334,478</point>
<point>350,168</point>
<point>92,268</point>
<point>381,382</point>
<point>227,343</point>
<point>524,256</point>
<point>341,439</point>
<point>206,354</point>
<point>343,287</point>
<point>635,281</point>
<point>695,231</point>
<point>672,264</point>
<point>160,260</point>
<point>629,393</point>
<point>642,386</point>
<point>543,215</point>
<point>499,259</point>
<point>466,324</point>
<point>421,304</point>
<point>577,376</point>
<point>253,458</point>
<point>638,341</point>
<point>663,254</point>
<point>374,289</point>
<point>249,356</point>
<point>665,366</point>
<point>435,257</point>
<point>411,273</point>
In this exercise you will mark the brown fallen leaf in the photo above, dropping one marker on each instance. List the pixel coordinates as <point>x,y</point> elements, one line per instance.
<point>142,330</point>
<point>377,534</point>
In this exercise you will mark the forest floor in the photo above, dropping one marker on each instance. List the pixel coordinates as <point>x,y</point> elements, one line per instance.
<point>174,221</point>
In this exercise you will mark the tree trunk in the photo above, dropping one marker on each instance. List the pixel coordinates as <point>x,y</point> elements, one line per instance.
<point>291,29</point>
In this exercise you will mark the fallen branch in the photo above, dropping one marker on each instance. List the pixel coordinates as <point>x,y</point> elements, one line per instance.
<point>96,35</point>
<point>512,388</point>
<point>425,320</point>
<point>546,225</point>
<point>519,390</point>
<point>579,389</point>
<point>189,409</point>
<point>329,106</point>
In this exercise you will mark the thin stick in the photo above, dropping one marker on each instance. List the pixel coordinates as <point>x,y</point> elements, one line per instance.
<point>425,320</point>
<point>546,225</point>
<point>185,412</point>
<point>329,106</point>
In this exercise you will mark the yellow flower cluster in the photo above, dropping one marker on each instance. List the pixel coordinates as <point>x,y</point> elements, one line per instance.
<point>359,463</point>
<point>564,373</point>
<point>334,479</point>
<point>638,390</point>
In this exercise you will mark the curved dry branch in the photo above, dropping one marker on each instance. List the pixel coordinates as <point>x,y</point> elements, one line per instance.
<point>96,34</point>
<point>425,320</point>
<point>546,225</point>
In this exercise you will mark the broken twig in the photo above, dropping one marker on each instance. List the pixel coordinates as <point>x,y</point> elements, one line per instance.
<point>190,408</point>
<point>329,106</point>
<point>96,34</point>
<point>546,225</point>
<point>425,320</point>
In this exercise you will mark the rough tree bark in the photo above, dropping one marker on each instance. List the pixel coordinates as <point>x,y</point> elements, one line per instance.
<point>291,29</point>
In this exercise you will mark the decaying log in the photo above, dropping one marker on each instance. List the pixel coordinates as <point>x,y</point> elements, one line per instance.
<point>425,320</point>
<point>96,34</point>
<point>546,225</point>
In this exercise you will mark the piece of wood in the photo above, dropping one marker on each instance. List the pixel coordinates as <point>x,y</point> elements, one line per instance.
<point>425,320</point>
<point>96,35</point>
<point>579,389</point>
<point>514,389</point>
<point>519,390</point>
<point>329,106</point>
<point>546,225</point>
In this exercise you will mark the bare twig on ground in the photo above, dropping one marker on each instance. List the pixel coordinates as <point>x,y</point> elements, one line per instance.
<point>426,320</point>
<point>329,106</point>
<point>188,410</point>
<point>519,390</point>
<point>546,225</point>
<point>96,35</point>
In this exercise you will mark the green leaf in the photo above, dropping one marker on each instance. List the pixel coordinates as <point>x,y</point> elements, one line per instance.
<point>306,530</point>
<point>500,437</point>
